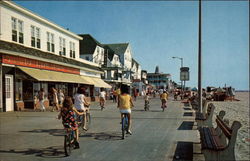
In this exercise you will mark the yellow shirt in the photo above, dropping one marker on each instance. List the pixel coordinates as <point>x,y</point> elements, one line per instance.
<point>124,101</point>
<point>164,96</point>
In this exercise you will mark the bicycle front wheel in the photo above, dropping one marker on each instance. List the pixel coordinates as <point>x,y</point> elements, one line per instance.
<point>67,145</point>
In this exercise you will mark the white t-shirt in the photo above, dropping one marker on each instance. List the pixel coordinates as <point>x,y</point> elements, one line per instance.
<point>102,94</point>
<point>79,101</point>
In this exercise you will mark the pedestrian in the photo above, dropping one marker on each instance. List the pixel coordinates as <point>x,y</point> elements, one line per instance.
<point>134,93</point>
<point>114,94</point>
<point>118,92</point>
<point>125,104</point>
<point>67,113</point>
<point>102,98</point>
<point>81,103</point>
<point>55,100</point>
<point>146,99</point>
<point>60,97</point>
<point>164,97</point>
<point>41,97</point>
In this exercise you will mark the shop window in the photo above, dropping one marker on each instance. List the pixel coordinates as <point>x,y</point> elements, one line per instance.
<point>27,90</point>
<point>36,89</point>
<point>19,90</point>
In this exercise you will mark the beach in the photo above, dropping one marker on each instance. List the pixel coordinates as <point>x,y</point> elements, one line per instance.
<point>238,110</point>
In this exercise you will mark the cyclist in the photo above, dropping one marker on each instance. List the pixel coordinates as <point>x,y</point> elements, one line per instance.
<point>125,104</point>
<point>164,97</point>
<point>81,103</point>
<point>67,114</point>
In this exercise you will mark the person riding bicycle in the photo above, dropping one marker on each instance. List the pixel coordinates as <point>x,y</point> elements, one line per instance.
<point>67,113</point>
<point>81,103</point>
<point>164,97</point>
<point>125,104</point>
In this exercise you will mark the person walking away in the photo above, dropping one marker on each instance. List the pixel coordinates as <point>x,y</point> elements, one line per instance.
<point>102,98</point>
<point>164,97</point>
<point>134,93</point>
<point>55,100</point>
<point>146,98</point>
<point>81,103</point>
<point>114,96</point>
<point>118,92</point>
<point>41,97</point>
<point>60,97</point>
<point>125,104</point>
<point>67,113</point>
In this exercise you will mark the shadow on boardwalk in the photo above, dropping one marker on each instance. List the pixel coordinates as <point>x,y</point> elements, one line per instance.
<point>50,152</point>
<point>54,132</point>
<point>105,136</point>
<point>183,151</point>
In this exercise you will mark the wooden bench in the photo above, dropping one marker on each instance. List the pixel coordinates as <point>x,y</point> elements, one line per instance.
<point>205,118</point>
<point>194,103</point>
<point>218,143</point>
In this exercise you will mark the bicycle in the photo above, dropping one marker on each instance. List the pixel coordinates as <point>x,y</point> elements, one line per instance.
<point>146,106</point>
<point>124,124</point>
<point>69,139</point>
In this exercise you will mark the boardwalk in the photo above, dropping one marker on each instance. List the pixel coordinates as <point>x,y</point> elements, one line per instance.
<point>157,135</point>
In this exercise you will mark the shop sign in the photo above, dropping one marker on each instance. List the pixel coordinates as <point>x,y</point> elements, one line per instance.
<point>91,74</point>
<point>26,62</point>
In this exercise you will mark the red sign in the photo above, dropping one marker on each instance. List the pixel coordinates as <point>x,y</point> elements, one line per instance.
<point>17,60</point>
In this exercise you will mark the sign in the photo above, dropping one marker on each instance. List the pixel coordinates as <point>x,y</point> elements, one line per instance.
<point>184,74</point>
<point>91,74</point>
<point>26,62</point>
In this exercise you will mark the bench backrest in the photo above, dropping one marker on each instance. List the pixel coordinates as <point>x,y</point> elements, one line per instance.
<point>225,129</point>
<point>210,109</point>
<point>228,131</point>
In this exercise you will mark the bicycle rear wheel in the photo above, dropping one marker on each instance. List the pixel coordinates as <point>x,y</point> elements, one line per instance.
<point>67,145</point>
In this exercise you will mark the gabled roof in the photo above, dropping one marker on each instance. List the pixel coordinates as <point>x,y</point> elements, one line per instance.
<point>88,44</point>
<point>118,48</point>
<point>109,52</point>
<point>135,62</point>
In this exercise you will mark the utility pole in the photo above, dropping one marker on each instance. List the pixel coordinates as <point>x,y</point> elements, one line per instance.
<point>199,63</point>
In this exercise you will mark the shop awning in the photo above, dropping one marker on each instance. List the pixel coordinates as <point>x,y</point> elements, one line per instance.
<point>98,82</point>
<point>53,76</point>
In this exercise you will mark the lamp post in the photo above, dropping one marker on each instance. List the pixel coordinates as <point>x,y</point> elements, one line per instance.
<point>175,57</point>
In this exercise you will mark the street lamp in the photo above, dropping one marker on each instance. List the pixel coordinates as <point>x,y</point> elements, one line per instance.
<point>175,57</point>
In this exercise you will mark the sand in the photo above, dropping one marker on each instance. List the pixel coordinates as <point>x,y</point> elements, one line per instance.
<point>238,110</point>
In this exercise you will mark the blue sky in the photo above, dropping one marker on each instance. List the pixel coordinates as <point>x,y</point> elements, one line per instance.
<point>159,30</point>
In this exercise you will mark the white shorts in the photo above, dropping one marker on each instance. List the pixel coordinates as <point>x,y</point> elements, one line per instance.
<point>125,111</point>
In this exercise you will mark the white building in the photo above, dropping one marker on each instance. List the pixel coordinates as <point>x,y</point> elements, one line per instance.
<point>37,53</point>
<point>125,55</point>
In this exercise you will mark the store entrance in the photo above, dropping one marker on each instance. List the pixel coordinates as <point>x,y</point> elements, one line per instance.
<point>28,94</point>
<point>50,92</point>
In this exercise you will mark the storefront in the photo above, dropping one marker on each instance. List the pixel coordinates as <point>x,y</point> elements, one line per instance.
<point>22,83</point>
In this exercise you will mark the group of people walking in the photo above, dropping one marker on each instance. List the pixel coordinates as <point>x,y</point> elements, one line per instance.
<point>57,99</point>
